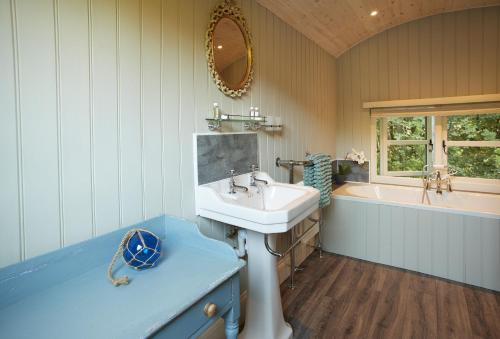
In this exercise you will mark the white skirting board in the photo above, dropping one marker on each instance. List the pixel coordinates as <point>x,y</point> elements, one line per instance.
<point>458,247</point>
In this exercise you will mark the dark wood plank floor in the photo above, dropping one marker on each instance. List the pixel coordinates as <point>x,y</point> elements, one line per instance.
<point>339,297</point>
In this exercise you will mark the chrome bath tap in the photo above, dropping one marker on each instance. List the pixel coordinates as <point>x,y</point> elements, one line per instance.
<point>253,179</point>
<point>232,184</point>
<point>438,183</point>
<point>435,180</point>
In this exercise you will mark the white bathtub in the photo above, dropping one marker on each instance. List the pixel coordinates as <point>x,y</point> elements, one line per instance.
<point>479,204</point>
<point>455,235</point>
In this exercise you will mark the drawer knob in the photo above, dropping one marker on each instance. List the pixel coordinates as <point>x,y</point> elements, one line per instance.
<point>210,310</point>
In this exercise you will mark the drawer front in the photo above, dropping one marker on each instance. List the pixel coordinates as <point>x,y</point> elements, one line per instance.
<point>194,318</point>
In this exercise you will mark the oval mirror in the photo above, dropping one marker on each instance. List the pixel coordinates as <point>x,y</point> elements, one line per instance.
<point>229,51</point>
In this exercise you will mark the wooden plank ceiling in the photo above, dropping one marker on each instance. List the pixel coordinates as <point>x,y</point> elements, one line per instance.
<point>337,25</point>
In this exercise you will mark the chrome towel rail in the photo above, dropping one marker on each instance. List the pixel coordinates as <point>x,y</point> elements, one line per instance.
<point>290,164</point>
<point>295,243</point>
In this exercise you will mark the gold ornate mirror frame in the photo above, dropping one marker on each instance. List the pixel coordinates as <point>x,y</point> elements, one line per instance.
<point>227,9</point>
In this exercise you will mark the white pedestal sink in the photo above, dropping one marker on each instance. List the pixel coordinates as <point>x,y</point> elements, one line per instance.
<point>265,209</point>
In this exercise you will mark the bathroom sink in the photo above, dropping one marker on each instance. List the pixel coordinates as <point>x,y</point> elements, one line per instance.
<point>265,208</point>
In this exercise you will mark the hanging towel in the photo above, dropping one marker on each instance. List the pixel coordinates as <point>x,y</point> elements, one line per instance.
<point>319,176</point>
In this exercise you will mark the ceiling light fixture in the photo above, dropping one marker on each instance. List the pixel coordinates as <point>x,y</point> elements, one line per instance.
<point>373,13</point>
<point>219,46</point>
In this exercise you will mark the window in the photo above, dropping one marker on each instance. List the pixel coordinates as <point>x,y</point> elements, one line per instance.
<point>473,143</point>
<point>469,144</point>
<point>403,145</point>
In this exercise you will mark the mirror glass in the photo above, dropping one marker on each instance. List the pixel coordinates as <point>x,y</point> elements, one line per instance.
<point>230,53</point>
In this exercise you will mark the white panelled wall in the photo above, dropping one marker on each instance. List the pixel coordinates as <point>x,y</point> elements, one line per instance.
<point>450,54</point>
<point>99,100</point>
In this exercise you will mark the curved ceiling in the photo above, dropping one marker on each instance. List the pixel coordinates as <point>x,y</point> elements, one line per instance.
<point>337,25</point>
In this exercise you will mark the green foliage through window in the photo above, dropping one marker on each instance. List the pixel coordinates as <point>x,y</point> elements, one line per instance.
<point>485,127</point>
<point>476,159</point>
<point>406,157</point>
<point>406,128</point>
<point>475,162</point>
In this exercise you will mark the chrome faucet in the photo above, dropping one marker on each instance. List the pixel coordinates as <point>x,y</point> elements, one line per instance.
<point>429,178</point>
<point>253,179</point>
<point>438,183</point>
<point>232,184</point>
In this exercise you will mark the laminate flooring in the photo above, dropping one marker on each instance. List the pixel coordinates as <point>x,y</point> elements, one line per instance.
<point>341,297</point>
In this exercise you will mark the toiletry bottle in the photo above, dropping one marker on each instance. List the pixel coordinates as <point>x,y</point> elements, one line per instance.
<point>256,112</point>
<point>252,111</point>
<point>216,111</point>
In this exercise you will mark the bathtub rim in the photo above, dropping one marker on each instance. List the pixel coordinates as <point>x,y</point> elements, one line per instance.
<point>335,195</point>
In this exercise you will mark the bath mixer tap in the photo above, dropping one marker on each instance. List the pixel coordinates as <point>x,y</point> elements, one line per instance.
<point>232,184</point>
<point>438,183</point>
<point>253,179</point>
<point>428,178</point>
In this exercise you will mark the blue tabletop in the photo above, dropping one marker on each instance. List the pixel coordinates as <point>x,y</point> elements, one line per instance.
<point>49,297</point>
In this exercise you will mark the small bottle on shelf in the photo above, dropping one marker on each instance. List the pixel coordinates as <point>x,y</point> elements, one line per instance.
<point>216,110</point>
<point>256,112</point>
<point>252,111</point>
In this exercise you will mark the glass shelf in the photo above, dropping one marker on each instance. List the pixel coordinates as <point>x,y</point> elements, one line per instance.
<point>249,122</point>
<point>243,118</point>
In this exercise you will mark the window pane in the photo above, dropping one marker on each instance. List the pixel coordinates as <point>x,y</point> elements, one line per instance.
<point>406,128</point>
<point>482,127</point>
<point>475,162</point>
<point>406,157</point>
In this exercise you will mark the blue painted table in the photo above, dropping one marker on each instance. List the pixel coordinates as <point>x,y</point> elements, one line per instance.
<point>66,294</point>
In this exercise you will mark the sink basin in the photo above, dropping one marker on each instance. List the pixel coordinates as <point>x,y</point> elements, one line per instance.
<point>263,209</point>
<point>271,208</point>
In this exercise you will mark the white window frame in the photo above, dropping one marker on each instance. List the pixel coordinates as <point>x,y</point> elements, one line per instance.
<point>438,132</point>
<point>384,149</point>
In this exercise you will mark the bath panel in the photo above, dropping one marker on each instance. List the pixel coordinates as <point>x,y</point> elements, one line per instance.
<point>449,243</point>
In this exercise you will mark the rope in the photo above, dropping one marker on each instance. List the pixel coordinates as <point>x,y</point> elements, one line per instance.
<point>121,280</point>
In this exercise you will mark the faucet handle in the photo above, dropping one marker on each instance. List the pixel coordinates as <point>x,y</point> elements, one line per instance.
<point>254,168</point>
<point>232,172</point>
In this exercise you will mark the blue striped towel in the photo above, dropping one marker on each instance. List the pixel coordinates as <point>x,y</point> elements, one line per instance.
<point>319,176</point>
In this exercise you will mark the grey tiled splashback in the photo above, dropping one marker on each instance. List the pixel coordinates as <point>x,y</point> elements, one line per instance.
<point>359,173</point>
<point>219,153</point>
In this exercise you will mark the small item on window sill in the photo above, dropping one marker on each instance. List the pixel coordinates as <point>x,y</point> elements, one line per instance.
<point>356,156</point>
<point>140,249</point>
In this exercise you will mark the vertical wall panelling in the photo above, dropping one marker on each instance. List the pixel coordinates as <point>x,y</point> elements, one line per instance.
<point>151,107</point>
<point>475,51</point>
<point>97,129</point>
<point>10,152</point>
<point>462,27</point>
<point>74,96</point>
<point>171,108</point>
<point>490,48</point>
<point>186,85</point>
<point>37,79</point>
<point>131,110</point>
<point>437,65</point>
<point>105,75</point>
<point>448,54</point>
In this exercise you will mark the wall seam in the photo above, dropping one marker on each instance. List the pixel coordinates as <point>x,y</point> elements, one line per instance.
<point>60,177</point>
<point>162,111</point>
<point>19,134</point>
<point>141,104</point>
<point>92,117</point>
<point>181,182</point>
<point>118,115</point>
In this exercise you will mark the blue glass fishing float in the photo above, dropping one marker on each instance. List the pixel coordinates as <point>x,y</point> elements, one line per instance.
<point>140,249</point>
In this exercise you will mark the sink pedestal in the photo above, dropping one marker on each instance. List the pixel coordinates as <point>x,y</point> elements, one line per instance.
<point>264,314</point>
